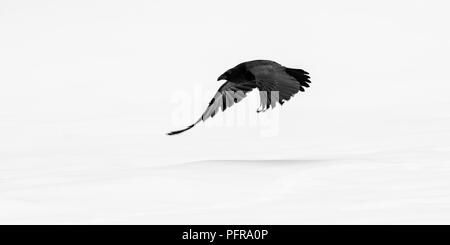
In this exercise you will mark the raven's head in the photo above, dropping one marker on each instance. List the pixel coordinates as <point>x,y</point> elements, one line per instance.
<point>237,74</point>
<point>224,76</point>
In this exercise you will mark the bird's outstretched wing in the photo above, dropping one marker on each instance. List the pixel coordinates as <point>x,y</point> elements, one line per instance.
<point>227,95</point>
<point>278,84</point>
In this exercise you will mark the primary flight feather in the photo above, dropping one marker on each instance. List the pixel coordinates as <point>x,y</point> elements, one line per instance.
<point>275,82</point>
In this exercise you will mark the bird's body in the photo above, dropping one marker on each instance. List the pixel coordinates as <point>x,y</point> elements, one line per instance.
<point>275,82</point>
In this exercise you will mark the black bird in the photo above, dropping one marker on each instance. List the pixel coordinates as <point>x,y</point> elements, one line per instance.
<point>274,81</point>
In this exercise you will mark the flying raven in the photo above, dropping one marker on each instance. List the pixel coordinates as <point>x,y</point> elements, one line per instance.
<point>274,81</point>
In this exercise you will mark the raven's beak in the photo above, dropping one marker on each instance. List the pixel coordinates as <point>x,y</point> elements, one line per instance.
<point>222,77</point>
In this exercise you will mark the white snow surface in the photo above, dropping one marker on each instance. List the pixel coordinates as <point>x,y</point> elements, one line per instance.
<point>88,90</point>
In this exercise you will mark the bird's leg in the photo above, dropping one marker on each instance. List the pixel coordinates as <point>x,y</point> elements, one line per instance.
<point>263,101</point>
<point>260,109</point>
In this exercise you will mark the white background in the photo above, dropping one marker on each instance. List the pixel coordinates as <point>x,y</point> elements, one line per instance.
<point>86,97</point>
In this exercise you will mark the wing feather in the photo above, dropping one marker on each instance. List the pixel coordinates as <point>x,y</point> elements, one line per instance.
<point>278,83</point>
<point>228,94</point>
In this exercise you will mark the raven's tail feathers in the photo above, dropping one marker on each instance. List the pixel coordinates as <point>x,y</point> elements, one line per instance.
<point>301,76</point>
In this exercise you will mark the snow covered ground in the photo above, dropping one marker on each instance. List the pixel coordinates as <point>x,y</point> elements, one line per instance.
<point>88,90</point>
<point>397,187</point>
<point>400,178</point>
